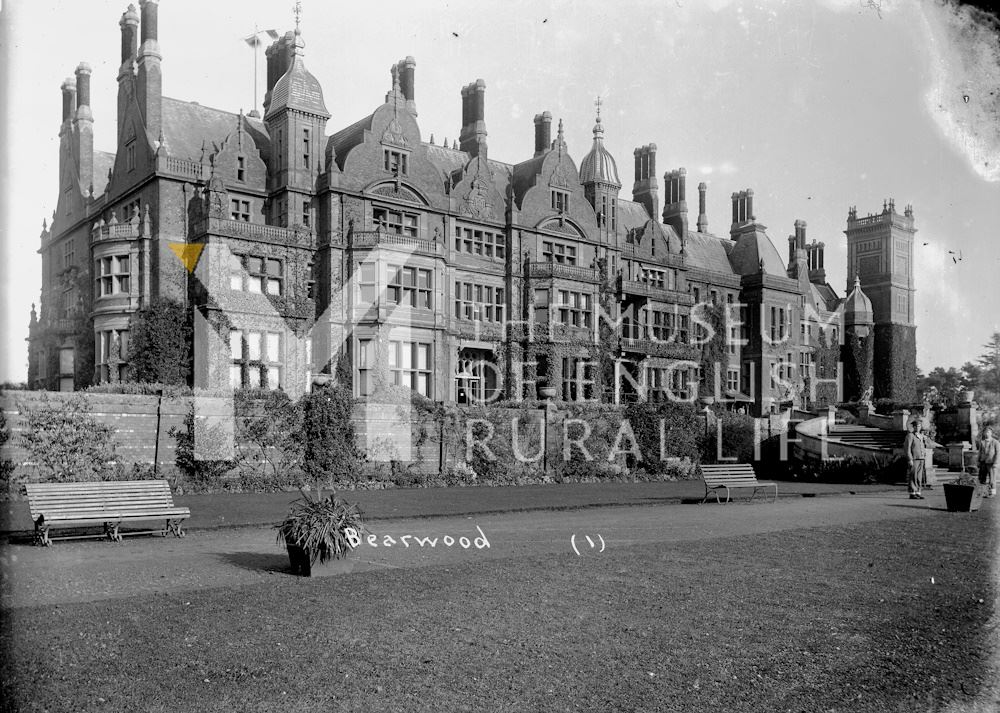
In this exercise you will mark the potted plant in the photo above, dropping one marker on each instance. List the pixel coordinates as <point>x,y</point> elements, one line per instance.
<point>962,495</point>
<point>316,528</point>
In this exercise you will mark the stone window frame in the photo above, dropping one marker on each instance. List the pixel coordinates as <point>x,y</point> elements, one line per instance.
<point>562,253</point>
<point>103,341</point>
<point>478,302</point>
<point>559,200</point>
<point>396,221</point>
<point>110,279</point>
<point>573,379</point>
<point>400,290</point>
<point>396,161</point>
<point>411,363</point>
<point>239,210</point>
<point>481,242</point>
<point>574,309</point>
<point>260,363</point>
<point>241,168</point>
<point>257,274</point>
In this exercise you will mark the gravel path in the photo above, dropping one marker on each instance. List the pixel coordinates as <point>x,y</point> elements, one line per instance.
<point>75,571</point>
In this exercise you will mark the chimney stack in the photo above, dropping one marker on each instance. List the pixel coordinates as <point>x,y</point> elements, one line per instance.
<point>742,211</point>
<point>675,202</point>
<point>68,88</point>
<point>814,258</point>
<point>84,127</point>
<point>702,215</point>
<point>472,138</point>
<point>645,190</point>
<point>407,69</point>
<point>129,24</point>
<point>543,132</point>
<point>149,83</point>
<point>800,234</point>
<point>278,56</point>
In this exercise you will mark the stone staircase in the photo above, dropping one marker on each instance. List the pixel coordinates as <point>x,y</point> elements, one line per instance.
<point>867,437</point>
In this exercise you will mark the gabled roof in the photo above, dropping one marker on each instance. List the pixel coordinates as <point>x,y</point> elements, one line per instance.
<point>103,162</point>
<point>349,137</point>
<point>708,252</point>
<point>825,296</point>
<point>524,175</point>
<point>188,127</point>
<point>631,214</point>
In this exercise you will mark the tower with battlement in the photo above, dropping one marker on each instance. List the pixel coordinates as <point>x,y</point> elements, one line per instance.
<point>880,255</point>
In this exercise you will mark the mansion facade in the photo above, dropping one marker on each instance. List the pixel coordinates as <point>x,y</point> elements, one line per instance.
<point>298,248</point>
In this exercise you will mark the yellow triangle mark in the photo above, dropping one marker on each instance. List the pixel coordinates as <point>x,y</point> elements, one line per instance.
<point>188,254</point>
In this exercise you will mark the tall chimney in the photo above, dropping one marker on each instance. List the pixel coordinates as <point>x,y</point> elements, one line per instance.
<point>68,88</point>
<point>742,211</point>
<point>84,125</point>
<point>675,202</point>
<point>800,234</point>
<point>473,136</point>
<point>129,24</point>
<point>791,253</point>
<point>543,132</point>
<point>407,68</point>
<point>702,216</point>
<point>149,83</point>
<point>645,190</point>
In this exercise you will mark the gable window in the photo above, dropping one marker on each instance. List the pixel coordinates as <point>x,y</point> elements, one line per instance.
<point>305,148</point>
<point>240,210</point>
<point>112,275</point>
<point>409,286</point>
<point>394,221</point>
<point>130,211</point>
<point>614,214</point>
<point>396,162</point>
<point>256,274</point>
<point>256,359</point>
<point>560,201</point>
<point>559,252</point>
<point>241,168</point>
<point>69,253</point>
<point>130,155</point>
<point>487,243</point>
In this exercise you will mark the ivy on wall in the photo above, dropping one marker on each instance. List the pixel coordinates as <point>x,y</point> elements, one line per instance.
<point>160,343</point>
<point>713,350</point>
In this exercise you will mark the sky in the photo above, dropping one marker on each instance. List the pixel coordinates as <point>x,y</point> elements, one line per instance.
<point>816,106</point>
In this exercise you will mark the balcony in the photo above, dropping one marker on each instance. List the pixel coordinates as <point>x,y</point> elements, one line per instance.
<point>545,270</point>
<point>273,234</point>
<point>180,167</point>
<point>115,231</point>
<point>372,238</point>
<point>637,342</point>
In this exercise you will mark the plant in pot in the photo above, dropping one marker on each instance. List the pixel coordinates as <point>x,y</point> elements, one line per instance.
<point>962,495</point>
<point>319,529</point>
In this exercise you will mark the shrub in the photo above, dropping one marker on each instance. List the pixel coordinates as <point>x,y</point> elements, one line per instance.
<point>202,469</point>
<point>268,440</point>
<point>855,470</point>
<point>682,426</point>
<point>64,442</point>
<point>160,344</point>
<point>330,454</point>
<point>143,388</point>
<point>737,438</point>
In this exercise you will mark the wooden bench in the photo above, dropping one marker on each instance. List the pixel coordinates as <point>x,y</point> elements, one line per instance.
<point>732,475</point>
<point>107,503</point>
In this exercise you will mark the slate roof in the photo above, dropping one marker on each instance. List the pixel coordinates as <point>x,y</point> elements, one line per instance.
<point>708,252</point>
<point>825,295</point>
<point>297,89</point>
<point>751,248</point>
<point>631,214</point>
<point>349,137</point>
<point>524,175</point>
<point>189,126</point>
<point>103,162</point>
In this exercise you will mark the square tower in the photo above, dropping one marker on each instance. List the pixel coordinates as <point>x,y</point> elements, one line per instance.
<point>880,254</point>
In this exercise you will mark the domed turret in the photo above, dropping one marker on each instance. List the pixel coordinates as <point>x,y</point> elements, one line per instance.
<point>857,306</point>
<point>599,165</point>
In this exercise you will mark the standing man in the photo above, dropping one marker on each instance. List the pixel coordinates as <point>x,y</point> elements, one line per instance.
<point>913,448</point>
<point>989,462</point>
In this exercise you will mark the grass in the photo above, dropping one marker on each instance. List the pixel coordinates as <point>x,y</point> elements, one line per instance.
<point>831,619</point>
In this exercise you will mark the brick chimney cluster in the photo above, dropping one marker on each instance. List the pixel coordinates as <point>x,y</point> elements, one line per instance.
<point>675,201</point>
<point>472,138</point>
<point>645,189</point>
<point>543,132</point>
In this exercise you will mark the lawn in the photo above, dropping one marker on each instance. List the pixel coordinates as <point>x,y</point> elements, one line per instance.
<point>825,619</point>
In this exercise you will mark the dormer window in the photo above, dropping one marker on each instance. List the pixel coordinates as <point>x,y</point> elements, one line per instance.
<point>241,168</point>
<point>130,155</point>
<point>396,162</point>
<point>560,201</point>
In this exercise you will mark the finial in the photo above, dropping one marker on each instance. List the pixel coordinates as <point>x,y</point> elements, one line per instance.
<point>559,133</point>
<point>298,15</point>
<point>432,139</point>
<point>45,224</point>
<point>857,281</point>
<point>598,129</point>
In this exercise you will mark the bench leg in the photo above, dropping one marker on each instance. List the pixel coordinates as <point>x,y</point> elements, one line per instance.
<point>174,526</point>
<point>42,532</point>
<point>111,531</point>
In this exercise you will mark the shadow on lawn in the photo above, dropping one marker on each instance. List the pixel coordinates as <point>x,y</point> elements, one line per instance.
<point>258,562</point>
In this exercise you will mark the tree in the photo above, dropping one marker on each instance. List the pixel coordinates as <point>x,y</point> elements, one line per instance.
<point>330,454</point>
<point>990,361</point>
<point>160,345</point>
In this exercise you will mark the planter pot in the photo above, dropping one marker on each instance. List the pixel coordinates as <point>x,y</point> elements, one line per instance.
<point>547,392</point>
<point>960,498</point>
<point>300,560</point>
